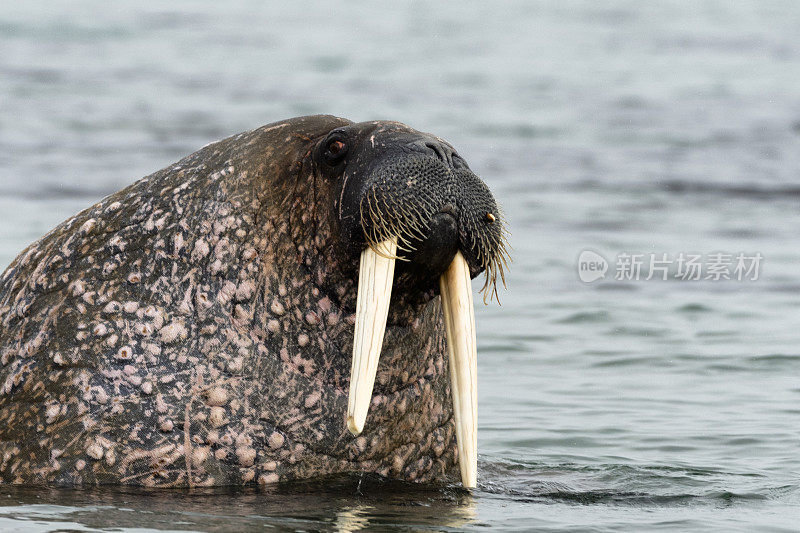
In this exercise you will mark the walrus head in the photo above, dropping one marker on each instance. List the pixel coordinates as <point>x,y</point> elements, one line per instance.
<point>420,223</point>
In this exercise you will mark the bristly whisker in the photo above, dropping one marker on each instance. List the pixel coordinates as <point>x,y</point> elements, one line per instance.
<point>410,221</point>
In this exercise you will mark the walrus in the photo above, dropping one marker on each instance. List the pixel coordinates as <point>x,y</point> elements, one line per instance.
<point>232,318</point>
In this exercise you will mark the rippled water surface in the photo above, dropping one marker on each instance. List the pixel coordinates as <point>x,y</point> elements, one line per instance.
<point>613,126</point>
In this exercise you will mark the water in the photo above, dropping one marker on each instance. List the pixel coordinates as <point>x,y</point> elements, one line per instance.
<point>614,126</point>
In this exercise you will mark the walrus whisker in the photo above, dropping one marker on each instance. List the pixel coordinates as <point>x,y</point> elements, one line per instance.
<point>378,231</point>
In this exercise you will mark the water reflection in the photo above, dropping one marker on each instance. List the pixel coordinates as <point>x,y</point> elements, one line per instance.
<point>341,504</point>
<point>353,518</point>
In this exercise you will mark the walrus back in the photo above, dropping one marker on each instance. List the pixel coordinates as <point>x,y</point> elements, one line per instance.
<point>85,309</point>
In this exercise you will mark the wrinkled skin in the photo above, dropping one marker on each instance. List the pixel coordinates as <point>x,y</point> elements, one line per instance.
<point>196,329</point>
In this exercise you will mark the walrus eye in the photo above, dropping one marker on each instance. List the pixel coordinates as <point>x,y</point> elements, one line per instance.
<point>335,152</point>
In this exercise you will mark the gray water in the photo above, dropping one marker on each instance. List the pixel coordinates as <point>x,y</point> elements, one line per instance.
<point>615,126</point>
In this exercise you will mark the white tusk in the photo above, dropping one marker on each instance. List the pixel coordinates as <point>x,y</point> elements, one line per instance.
<point>375,278</point>
<point>459,320</point>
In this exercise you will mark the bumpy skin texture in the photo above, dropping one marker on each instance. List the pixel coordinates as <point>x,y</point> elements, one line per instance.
<point>196,329</point>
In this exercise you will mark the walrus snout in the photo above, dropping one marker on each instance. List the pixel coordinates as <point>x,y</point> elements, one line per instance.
<point>436,207</point>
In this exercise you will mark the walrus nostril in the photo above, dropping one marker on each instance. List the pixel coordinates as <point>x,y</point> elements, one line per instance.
<point>441,151</point>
